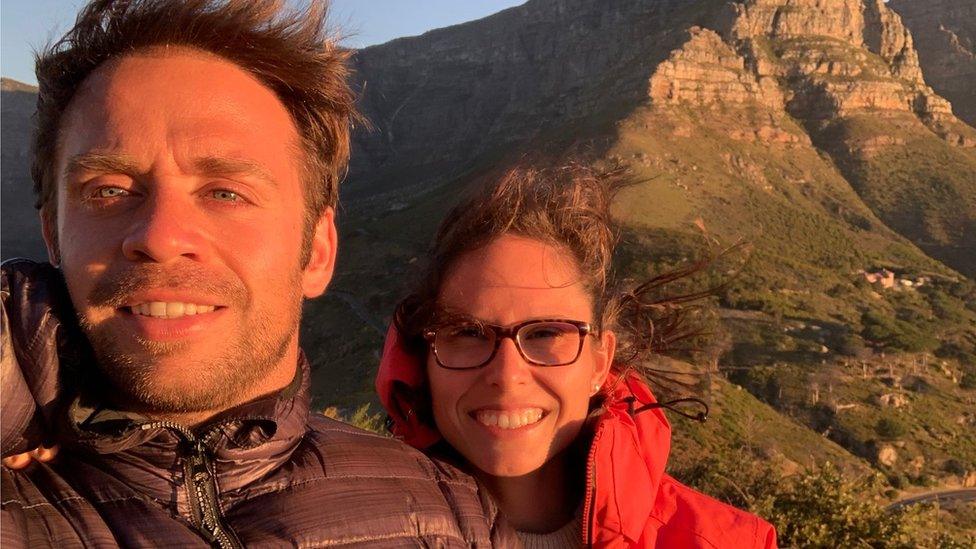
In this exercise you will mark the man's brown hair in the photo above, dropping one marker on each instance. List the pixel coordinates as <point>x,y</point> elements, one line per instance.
<point>291,52</point>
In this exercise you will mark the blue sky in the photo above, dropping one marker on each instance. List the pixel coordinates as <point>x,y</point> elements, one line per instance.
<point>28,24</point>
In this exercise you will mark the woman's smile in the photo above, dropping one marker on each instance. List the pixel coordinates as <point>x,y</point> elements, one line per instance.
<point>510,419</point>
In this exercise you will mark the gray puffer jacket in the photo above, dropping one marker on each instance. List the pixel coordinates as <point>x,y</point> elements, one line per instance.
<point>264,474</point>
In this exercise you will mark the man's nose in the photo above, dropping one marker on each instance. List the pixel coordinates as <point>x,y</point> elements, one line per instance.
<point>507,368</point>
<point>163,229</point>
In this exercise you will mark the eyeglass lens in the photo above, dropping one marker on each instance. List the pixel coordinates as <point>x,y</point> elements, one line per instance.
<point>542,343</point>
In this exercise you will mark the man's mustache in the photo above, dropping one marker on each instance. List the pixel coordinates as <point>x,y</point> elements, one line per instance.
<point>115,289</point>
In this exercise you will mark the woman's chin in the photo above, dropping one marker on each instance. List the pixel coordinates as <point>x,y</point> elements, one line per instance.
<point>514,467</point>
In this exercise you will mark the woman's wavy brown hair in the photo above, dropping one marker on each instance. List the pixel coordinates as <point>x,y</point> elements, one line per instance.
<point>567,207</point>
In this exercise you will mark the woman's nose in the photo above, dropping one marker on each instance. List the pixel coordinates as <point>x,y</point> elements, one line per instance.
<point>507,367</point>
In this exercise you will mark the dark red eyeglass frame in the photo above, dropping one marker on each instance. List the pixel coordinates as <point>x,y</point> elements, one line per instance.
<point>511,332</point>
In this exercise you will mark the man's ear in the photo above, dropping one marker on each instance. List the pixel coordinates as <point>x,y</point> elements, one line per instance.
<point>604,357</point>
<point>322,256</point>
<point>49,230</point>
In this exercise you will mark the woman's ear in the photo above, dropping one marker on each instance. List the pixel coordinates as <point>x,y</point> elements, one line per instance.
<point>604,357</point>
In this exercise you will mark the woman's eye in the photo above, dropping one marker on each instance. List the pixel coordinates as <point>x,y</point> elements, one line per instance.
<point>225,195</point>
<point>547,331</point>
<point>110,192</point>
<point>466,332</point>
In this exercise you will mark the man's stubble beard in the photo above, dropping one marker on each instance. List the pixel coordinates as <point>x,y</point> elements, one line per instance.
<point>208,384</point>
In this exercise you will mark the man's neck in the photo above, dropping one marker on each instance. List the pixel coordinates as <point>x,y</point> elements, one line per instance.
<point>278,378</point>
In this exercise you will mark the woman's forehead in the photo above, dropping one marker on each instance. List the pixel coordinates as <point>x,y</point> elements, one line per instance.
<point>516,277</point>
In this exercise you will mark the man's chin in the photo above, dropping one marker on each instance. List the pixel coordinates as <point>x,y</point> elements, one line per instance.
<point>168,381</point>
<point>211,371</point>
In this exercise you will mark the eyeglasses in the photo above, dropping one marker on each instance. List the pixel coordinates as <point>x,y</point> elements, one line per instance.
<point>469,345</point>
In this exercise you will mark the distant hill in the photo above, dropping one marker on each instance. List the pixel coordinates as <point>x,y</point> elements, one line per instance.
<point>20,230</point>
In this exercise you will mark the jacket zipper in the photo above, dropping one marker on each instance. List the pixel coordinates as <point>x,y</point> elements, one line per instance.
<point>588,510</point>
<point>201,486</point>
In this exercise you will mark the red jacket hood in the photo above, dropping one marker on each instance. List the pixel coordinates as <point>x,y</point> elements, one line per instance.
<point>399,367</point>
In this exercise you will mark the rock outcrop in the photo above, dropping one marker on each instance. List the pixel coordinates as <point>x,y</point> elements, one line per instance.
<point>823,59</point>
<point>440,100</point>
<point>706,71</point>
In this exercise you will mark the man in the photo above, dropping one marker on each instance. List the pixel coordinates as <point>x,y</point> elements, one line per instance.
<point>187,159</point>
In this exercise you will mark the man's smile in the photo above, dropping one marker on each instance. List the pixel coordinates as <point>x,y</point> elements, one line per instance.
<point>171,309</point>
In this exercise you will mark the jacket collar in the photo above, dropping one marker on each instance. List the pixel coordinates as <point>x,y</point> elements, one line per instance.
<point>265,429</point>
<point>627,458</point>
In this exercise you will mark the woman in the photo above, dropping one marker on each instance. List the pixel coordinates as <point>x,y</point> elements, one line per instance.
<point>515,356</point>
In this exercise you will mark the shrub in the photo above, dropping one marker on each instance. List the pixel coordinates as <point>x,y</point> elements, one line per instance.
<point>853,346</point>
<point>955,467</point>
<point>968,380</point>
<point>890,428</point>
<point>959,351</point>
<point>362,417</point>
<point>896,334</point>
<point>817,507</point>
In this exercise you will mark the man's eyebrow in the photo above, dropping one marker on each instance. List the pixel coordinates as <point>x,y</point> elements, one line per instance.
<point>101,163</point>
<point>97,162</point>
<point>223,166</point>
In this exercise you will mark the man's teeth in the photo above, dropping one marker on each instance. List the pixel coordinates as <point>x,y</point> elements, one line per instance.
<point>170,309</point>
<point>509,420</point>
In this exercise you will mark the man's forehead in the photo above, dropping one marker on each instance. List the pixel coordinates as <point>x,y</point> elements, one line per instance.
<point>178,78</point>
<point>188,98</point>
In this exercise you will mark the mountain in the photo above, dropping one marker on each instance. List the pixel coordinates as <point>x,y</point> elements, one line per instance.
<point>20,228</point>
<point>945,37</point>
<point>805,128</point>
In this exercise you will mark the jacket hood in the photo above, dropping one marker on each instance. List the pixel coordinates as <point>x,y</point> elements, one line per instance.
<point>400,382</point>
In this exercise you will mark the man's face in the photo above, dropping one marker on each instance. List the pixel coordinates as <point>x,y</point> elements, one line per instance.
<point>179,230</point>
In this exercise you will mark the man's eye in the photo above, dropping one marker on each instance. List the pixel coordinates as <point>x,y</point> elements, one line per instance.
<point>110,192</point>
<point>225,195</point>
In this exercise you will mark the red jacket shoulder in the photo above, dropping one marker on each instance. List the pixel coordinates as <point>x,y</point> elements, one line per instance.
<point>697,520</point>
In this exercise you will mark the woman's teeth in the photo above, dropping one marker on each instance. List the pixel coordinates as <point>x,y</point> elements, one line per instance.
<point>167,309</point>
<point>509,420</point>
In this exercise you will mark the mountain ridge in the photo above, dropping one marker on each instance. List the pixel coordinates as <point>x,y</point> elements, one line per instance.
<point>806,128</point>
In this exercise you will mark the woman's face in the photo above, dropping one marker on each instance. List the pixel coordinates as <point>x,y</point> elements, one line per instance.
<point>512,280</point>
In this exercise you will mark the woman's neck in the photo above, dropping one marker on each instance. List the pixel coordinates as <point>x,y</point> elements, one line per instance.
<point>541,501</point>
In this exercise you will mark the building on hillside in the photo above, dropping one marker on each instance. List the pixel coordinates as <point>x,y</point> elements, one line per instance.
<point>883,277</point>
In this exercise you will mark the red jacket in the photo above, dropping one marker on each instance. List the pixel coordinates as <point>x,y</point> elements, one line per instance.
<point>630,501</point>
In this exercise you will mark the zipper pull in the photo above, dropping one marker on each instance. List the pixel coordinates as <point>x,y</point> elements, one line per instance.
<point>198,462</point>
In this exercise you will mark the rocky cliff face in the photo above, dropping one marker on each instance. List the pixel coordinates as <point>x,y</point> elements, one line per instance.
<point>848,72</point>
<point>819,59</point>
<point>945,37</point>
<point>707,71</point>
<point>442,99</point>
